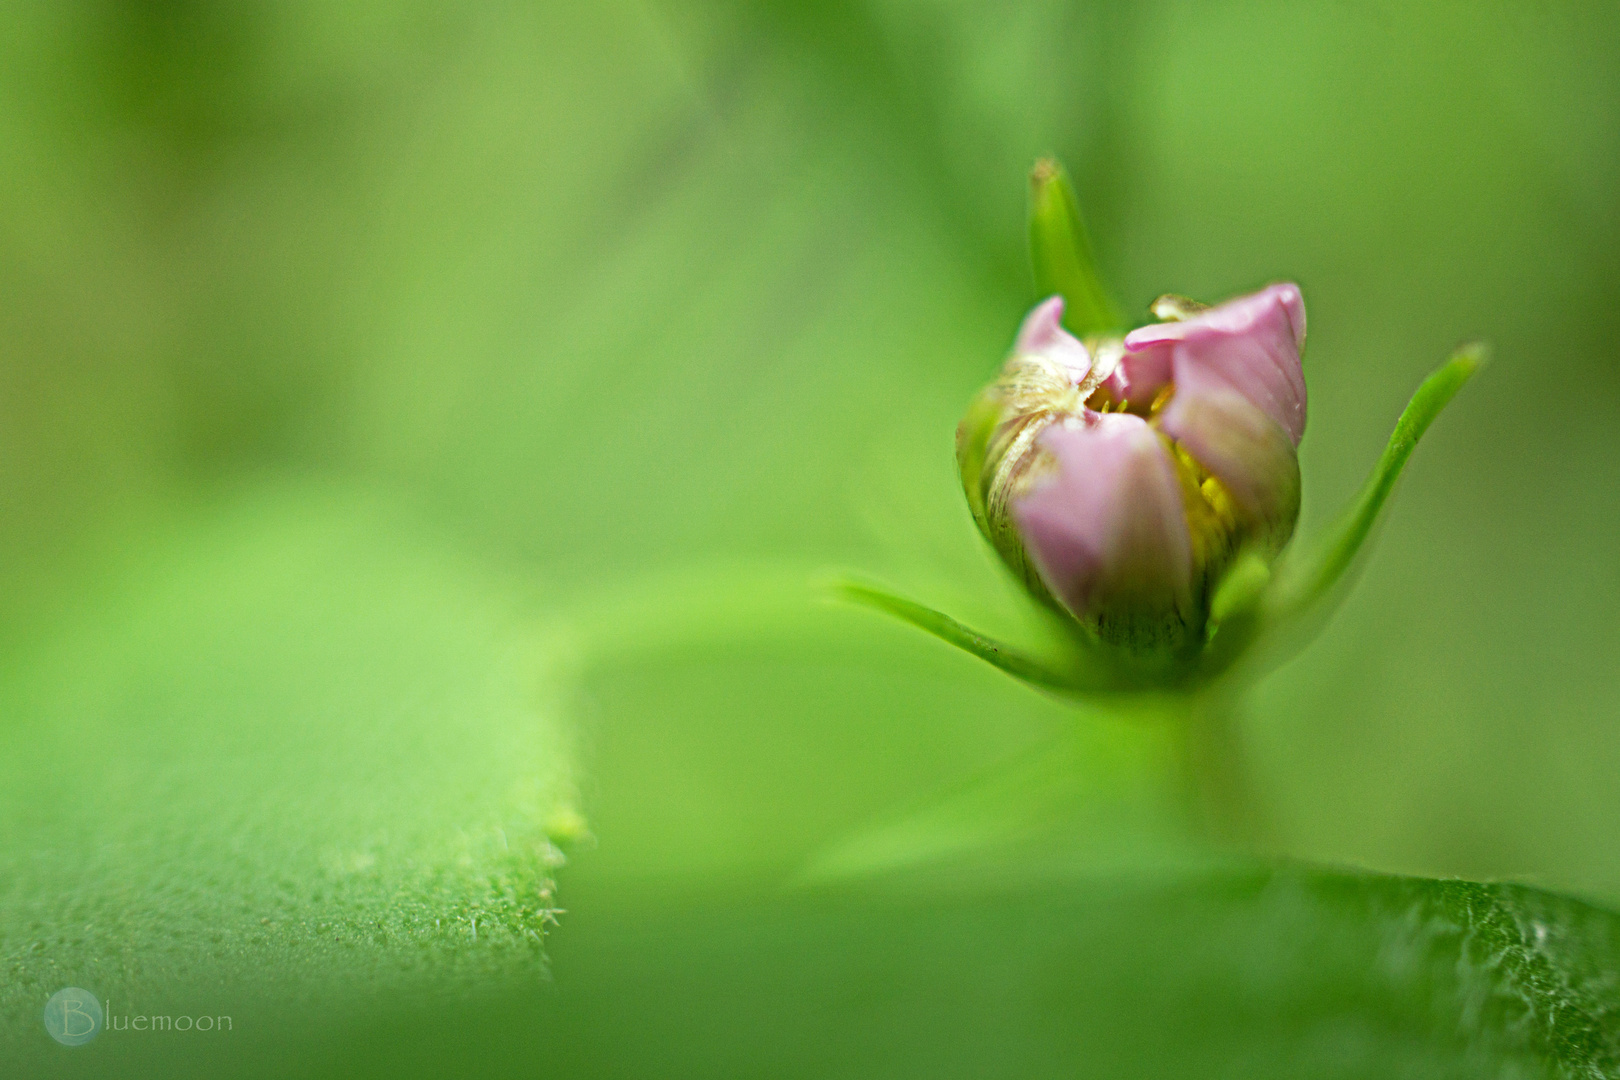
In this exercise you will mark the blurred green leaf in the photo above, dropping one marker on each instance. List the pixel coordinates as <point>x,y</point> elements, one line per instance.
<point>1249,972</point>
<point>291,748</point>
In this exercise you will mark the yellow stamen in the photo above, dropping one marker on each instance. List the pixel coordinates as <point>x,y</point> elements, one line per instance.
<point>1211,516</point>
<point>1162,398</point>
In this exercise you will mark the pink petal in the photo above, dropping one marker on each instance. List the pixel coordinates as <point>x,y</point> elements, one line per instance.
<point>1237,316</point>
<point>1042,334</point>
<point>1251,455</point>
<point>1107,532</point>
<point>1249,345</point>
<point>1139,377</point>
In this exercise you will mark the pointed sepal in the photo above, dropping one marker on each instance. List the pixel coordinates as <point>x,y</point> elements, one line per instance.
<point>1060,250</point>
<point>1069,676</point>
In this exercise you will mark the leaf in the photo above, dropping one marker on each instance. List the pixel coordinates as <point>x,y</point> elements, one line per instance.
<point>1261,971</point>
<point>1265,971</point>
<point>291,750</point>
<point>1061,254</point>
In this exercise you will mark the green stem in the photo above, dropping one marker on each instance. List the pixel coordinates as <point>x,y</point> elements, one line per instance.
<point>1203,764</point>
<point>1216,779</point>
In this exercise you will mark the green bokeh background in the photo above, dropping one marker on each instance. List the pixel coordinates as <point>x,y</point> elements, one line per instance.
<point>596,298</point>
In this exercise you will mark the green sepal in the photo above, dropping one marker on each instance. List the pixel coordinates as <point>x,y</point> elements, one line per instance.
<point>973,437</point>
<point>1060,252</point>
<point>1307,586</point>
<point>1075,674</point>
<point>1306,580</point>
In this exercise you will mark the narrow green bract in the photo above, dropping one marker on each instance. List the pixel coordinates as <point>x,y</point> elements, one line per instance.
<point>1060,251</point>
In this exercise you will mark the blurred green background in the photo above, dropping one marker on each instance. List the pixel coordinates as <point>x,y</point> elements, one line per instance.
<point>632,307</point>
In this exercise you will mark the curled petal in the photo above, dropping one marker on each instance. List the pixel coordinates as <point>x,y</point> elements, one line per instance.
<point>1042,337</point>
<point>1138,377</point>
<point>1107,532</point>
<point>1250,346</point>
<point>1042,334</point>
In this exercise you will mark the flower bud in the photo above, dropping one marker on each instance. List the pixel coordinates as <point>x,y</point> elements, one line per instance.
<point>1120,478</point>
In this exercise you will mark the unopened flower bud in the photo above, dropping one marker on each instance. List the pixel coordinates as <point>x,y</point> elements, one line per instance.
<point>1120,477</point>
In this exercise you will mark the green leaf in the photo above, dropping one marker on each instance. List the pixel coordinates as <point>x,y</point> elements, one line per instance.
<point>1255,972</point>
<point>1061,253</point>
<point>1305,581</point>
<point>1259,972</point>
<point>292,750</point>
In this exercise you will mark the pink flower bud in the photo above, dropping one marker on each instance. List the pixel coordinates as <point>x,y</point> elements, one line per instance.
<point>1120,480</point>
